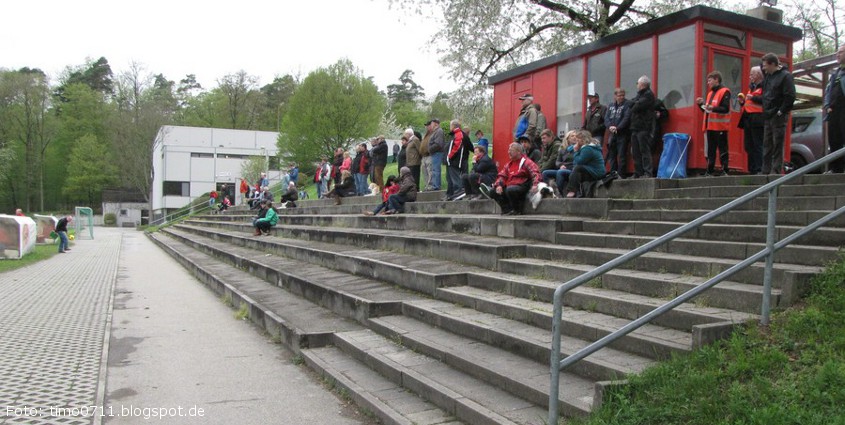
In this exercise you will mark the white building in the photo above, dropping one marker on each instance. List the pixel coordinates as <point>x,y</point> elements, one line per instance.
<point>191,161</point>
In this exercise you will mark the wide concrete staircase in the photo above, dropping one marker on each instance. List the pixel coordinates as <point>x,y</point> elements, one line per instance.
<point>443,314</point>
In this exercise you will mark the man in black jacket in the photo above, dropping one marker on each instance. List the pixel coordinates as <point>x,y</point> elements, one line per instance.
<point>618,121</point>
<point>61,229</point>
<point>778,98</point>
<point>379,155</point>
<point>642,123</point>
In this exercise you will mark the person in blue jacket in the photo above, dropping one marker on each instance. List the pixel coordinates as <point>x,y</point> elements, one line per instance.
<point>588,163</point>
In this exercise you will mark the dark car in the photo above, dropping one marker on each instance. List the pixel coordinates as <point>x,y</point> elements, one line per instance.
<point>807,140</point>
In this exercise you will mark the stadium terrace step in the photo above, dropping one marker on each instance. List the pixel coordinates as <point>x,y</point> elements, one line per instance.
<point>728,295</point>
<point>736,242</point>
<point>354,297</point>
<point>391,403</point>
<point>295,321</point>
<point>442,315</point>
<point>516,337</point>
<point>782,218</point>
<point>403,269</point>
<point>790,278</point>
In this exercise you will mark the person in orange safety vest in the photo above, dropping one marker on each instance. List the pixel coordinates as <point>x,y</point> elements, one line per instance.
<point>717,120</point>
<point>751,121</point>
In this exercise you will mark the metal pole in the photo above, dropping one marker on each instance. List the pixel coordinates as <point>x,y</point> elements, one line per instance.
<point>554,370</point>
<point>770,258</point>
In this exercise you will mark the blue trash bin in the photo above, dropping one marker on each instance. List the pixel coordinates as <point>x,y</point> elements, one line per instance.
<point>673,160</point>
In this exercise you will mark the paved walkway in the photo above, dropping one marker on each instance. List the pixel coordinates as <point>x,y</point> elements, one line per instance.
<point>175,353</point>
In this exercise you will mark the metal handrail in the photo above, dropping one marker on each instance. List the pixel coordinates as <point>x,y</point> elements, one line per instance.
<point>180,213</point>
<point>556,364</point>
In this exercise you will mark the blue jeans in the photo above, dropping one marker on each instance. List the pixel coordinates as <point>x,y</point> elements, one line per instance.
<point>453,181</point>
<point>361,184</point>
<point>63,243</point>
<point>396,202</point>
<point>560,176</point>
<point>436,162</point>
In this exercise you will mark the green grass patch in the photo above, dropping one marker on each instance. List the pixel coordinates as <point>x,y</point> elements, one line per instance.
<point>791,373</point>
<point>41,252</point>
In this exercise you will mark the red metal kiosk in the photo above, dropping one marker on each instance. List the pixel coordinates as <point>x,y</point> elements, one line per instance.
<point>675,51</point>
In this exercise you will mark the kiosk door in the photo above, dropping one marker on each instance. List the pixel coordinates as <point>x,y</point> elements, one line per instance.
<point>734,73</point>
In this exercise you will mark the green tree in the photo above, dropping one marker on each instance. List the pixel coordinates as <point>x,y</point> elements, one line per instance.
<point>25,126</point>
<point>84,112</point>
<point>96,74</point>
<point>243,100</point>
<point>407,90</point>
<point>143,103</point>
<point>90,169</point>
<point>252,168</point>
<point>276,97</point>
<point>332,108</point>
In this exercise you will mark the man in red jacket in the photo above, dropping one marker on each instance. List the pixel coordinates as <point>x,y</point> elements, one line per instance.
<point>516,179</point>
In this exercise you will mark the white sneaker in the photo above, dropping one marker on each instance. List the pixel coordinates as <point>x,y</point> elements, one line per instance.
<point>485,190</point>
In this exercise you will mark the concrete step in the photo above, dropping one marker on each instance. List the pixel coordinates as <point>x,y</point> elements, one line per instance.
<point>467,249</point>
<point>787,191</point>
<point>665,286</point>
<point>736,242</point>
<point>594,297</point>
<point>450,371</point>
<point>792,279</point>
<point>296,322</point>
<point>432,277</point>
<point>748,180</point>
<point>391,403</point>
<point>349,296</point>
<point>513,336</point>
<point>650,341</point>
<point>783,218</point>
<point>823,237</point>
<point>804,203</point>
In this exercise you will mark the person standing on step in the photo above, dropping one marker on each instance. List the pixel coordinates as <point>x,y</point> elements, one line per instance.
<point>717,121</point>
<point>413,159</point>
<point>379,156</point>
<point>457,155</point>
<point>751,120</point>
<point>778,99</point>
<point>61,230</point>
<point>436,147</point>
<point>361,168</point>
<point>834,111</point>
<point>618,121</point>
<point>265,223</point>
<point>594,121</point>
<point>642,123</point>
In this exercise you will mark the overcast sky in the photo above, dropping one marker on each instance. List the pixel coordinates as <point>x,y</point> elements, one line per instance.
<point>212,39</point>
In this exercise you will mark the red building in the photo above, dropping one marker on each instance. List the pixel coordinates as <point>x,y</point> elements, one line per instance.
<point>676,52</point>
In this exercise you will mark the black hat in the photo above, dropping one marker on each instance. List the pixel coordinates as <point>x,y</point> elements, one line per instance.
<point>526,96</point>
<point>427,123</point>
<point>524,139</point>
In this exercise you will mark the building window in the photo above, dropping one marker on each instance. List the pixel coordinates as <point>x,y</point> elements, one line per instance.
<point>570,94</point>
<point>674,48</point>
<point>636,60</point>
<point>176,188</point>
<point>763,46</point>
<point>124,213</point>
<point>601,71</point>
<point>724,36</point>
<point>202,155</point>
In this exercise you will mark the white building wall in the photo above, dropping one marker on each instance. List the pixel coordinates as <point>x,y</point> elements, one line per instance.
<point>203,157</point>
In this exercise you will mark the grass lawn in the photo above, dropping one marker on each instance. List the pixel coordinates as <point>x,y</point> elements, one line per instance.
<point>41,252</point>
<point>791,373</point>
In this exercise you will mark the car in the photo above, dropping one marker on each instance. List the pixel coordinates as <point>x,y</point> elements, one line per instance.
<point>807,138</point>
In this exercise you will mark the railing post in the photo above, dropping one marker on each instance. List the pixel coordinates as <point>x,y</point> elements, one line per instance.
<point>770,258</point>
<point>554,363</point>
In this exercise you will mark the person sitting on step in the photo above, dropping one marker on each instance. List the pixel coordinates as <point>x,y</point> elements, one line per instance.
<point>483,172</point>
<point>391,186</point>
<point>517,178</point>
<point>344,189</point>
<point>267,221</point>
<point>407,192</point>
<point>588,164</point>
<point>290,197</point>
